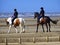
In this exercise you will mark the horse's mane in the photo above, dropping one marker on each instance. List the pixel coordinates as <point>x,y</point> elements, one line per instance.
<point>9,19</point>
<point>36,13</point>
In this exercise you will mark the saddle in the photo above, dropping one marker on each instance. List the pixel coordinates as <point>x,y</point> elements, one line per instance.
<point>42,20</point>
<point>16,22</point>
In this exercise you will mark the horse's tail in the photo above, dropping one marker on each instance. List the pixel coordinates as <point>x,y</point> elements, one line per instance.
<point>53,21</point>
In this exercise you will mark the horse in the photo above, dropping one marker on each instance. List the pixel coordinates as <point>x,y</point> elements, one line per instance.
<point>17,22</point>
<point>46,20</point>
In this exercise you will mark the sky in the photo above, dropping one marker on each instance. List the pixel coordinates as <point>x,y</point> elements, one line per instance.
<point>8,6</point>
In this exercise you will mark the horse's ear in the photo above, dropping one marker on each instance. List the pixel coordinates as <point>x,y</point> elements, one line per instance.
<point>37,13</point>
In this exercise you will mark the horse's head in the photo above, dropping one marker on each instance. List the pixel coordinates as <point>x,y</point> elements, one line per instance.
<point>36,14</point>
<point>8,20</point>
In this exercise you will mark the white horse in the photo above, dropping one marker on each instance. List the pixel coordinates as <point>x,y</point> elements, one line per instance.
<point>17,22</point>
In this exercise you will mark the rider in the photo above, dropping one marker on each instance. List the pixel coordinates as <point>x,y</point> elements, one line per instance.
<point>42,12</point>
<point>15,15</point>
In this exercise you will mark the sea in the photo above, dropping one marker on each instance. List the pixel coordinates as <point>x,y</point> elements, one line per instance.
<point>27,15</point>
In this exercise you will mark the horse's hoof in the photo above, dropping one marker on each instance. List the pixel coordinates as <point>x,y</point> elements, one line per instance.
<point>16,32</point>
<point>36,31</point>
<point>49,31</point>
<point>23,32</point>
<point>46,31</point>
<point>43,31</point>
<point>8,32</point>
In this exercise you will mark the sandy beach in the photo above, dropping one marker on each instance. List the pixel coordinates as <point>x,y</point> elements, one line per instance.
<point>30,23</point>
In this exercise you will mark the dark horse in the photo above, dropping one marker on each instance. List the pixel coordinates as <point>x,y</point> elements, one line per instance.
<point>46,20</point>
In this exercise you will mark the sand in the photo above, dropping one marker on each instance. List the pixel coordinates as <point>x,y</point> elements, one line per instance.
<point>30,23</point>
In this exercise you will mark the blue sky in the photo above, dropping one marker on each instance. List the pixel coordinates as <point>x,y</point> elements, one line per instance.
<point>7,6</point>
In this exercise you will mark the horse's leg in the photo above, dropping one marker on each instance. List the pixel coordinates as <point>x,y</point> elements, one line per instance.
<point>20,28</point>
<point>23,28</point>
<point>16,30</point>
<point>43,28</point>
<point>9,28</point>
<point>37,27</point>
<point>49,27</point>
<point>46,27</point>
